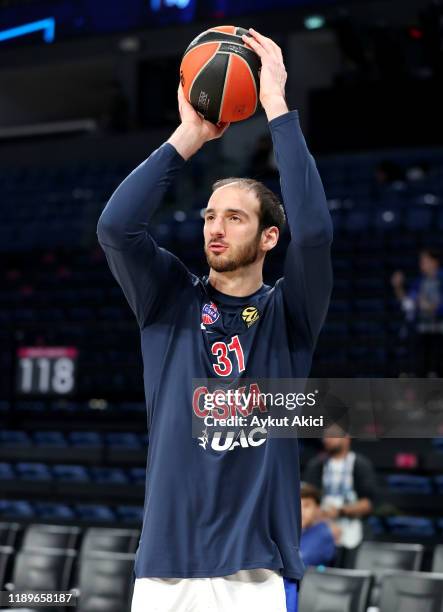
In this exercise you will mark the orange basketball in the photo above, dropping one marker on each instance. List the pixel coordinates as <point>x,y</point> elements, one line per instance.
<point>220,75</point>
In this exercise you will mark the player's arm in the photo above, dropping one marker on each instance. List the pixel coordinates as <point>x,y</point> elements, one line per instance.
<point>147,273</point>
<point>307,279</point>
<point>307,282</point>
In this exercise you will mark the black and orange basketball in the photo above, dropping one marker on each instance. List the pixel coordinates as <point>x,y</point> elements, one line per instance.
<point>220,75</point>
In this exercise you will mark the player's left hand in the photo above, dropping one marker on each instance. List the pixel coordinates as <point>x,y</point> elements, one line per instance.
<point>273,73</point>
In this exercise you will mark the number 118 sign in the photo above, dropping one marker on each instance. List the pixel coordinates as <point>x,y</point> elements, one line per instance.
<point>46,370</point>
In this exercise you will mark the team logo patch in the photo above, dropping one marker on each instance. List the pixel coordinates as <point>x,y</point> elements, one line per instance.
<point>210,313</point>
<point>250,315</point>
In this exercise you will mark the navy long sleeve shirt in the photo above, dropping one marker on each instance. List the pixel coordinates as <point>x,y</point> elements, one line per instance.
<point>212,509</point>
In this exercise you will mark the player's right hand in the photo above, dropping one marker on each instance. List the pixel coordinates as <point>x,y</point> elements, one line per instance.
<point>189,117</point>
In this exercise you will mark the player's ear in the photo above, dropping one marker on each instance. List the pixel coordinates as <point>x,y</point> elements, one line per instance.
<point>269,237</point>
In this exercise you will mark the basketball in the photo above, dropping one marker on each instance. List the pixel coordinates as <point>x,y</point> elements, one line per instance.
<point>220,75</point>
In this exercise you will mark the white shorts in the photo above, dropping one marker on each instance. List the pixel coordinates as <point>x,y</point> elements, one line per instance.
<point>261,590</point>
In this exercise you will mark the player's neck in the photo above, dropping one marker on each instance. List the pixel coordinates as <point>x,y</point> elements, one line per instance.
<point>238,283</point>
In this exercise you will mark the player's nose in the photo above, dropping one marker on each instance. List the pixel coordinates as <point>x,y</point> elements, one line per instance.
<point>217,227</point>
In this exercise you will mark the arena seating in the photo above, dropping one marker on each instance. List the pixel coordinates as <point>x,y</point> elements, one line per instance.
<point>335,590</point>
<point>418,591</point>
<point>382,557</point>
<point>95,564</point>
<point>69,462</point>
<point>378,228</point>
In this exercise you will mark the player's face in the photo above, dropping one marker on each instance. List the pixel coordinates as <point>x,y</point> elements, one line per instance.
<point>231,231</point>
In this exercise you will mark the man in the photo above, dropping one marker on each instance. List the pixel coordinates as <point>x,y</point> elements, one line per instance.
<point>423,306</point>
<point>317,544</point>
<point>221,526</point>
<point>348,482</point>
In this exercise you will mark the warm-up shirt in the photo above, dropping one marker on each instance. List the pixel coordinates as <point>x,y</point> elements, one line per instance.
<point>212,508</point>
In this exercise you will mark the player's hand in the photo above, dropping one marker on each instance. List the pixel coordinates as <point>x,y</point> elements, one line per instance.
<point>189,117</point>
<point>273,73</point>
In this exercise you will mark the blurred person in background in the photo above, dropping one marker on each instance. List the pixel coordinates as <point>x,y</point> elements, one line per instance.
<point>348,483</point>
<point>317,545</point>
<point>423,308</point>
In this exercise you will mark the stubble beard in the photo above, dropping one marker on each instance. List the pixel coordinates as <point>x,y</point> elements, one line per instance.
<point>245,255</point>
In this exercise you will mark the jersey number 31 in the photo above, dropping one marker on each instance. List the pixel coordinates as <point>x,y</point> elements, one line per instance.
<point>224,366</point>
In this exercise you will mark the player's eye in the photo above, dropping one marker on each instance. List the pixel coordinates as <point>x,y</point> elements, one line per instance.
<point>209,217</point>
<point>235,218</point>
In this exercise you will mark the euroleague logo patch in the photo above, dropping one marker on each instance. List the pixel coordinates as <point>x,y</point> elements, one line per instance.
<point>210,313</point>
<point>250,315</point>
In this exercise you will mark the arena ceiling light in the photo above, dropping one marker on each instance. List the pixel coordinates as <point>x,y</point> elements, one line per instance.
<point>47,26</point>
<point>314,22</point>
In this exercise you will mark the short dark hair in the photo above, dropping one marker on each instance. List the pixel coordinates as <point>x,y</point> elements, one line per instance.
<point>271,210</point>
<point>432,253</point>
<point>308,491</point>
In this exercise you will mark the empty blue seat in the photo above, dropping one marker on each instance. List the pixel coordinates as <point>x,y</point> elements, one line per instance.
<point>64,405</point>
<point>418,219</point>
<point>137,475</point>
<point>14,438</point>
<point>31,405</point>
<point>133,406</point>
<point>375,525</point>
<point>122,439</point>
<point>16,509</point>
<point>6,471</point>
<point>84,438</point>
<point>108,475</point>
<point>130,514</point>
<point>49,438</point>
<point>439,484</point>
<point>411,526</point>
<point>50,510</point>
<point>72,473</point>
<point>94,512</point>
<point>358,221</point>
<point>33,471</point>
<point>407,483</point>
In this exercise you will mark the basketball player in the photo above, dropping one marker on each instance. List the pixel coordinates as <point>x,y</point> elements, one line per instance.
<point>221,525</point>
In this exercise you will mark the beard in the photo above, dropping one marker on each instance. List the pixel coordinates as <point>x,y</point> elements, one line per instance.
<point>335,450</point>
<point>242,256</point>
